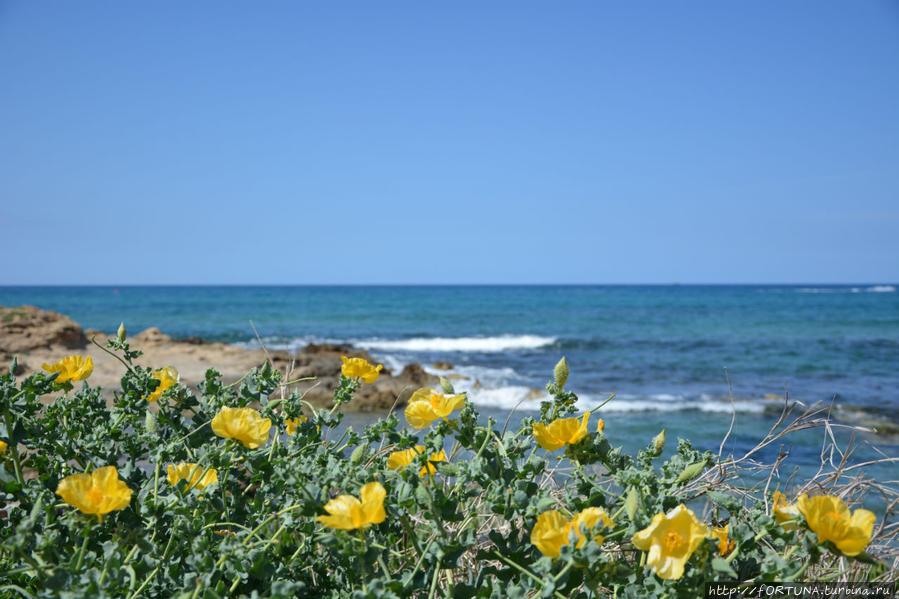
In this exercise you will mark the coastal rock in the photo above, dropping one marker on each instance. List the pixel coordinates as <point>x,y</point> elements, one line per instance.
<point>26,328</point>
<point>443,365</point>
<point>42,336</point>
<point>416,374</point>
<point>330,348</point>
<point>99,335</point>
<point>151,335</point>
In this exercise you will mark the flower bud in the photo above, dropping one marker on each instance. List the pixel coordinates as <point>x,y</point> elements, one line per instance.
<point>560,373</point>
<point>658,443</point>
<point>446,386</point>
<point>121,333</point>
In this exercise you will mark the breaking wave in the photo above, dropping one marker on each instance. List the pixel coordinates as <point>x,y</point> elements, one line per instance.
<point>457,344</point>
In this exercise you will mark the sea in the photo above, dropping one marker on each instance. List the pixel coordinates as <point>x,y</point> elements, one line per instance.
<point>689,359</point>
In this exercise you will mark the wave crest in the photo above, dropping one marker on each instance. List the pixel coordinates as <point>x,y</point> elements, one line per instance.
<point>501,343</point>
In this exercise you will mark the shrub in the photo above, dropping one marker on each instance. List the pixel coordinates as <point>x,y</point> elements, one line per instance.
<point>246,490</point>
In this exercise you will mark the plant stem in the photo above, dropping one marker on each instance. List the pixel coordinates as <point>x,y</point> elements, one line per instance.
<point>78,563</point>
<point>524,571</point>
<point>114,355</point>
<point>13,446</point>
<point>152,574</point>
<point>434,579</point>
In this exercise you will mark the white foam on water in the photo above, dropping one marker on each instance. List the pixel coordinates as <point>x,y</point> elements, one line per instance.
<point>527,398</point>
<point>872,289</point>
<point>278,343</point>
<point>457,344</point>
<point>477,376</point>
<point>505,398</point>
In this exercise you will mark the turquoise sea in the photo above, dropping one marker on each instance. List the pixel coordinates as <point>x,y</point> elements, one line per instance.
<point>665,351</point>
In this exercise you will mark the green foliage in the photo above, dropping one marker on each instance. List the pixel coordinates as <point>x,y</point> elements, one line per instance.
<point>464,532</point>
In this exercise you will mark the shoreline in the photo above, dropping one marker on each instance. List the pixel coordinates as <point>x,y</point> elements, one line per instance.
<point>36,336</point>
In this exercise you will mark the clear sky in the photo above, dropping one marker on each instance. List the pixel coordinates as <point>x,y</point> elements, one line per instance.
<point>451,142</point>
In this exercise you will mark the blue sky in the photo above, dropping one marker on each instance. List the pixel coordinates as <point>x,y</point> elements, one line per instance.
<point>457,142</point>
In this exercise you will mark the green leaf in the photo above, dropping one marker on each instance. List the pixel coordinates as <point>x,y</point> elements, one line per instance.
<point>723,566</point>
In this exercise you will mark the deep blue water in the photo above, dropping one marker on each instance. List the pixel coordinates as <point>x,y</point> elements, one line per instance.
<point>662,349</point>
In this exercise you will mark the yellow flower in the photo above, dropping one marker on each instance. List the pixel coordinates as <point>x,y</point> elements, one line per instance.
<point>3,446</point>
<point>353,367</point>
<point>400,459</point>
<point>831,520</point>
<point>550,533</point>
<point>167,377</point>
<point>426,406</point>
<point>293,423</point>
<point>243,424</point>
<point>99,492</point>
<point>552,530</point>
<point>430,469</point>
<point>560,432</point>
<point>589,518</point>
<point>671,539</point>
<point>725,544</point>
<point>71,368</point>
<point>784,513</point>
<point>348,513</point>
<point>600,425</point>
<point>191,473</point>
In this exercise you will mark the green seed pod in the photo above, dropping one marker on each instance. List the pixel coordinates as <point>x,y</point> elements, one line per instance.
<point>658,443</point>
<point>446,386</point>
<point>121,333</point>
<point>560,373</point>
<point>358,454</point>
<point>691,471</point>
<point>150,422</point>
<point>631,502</point>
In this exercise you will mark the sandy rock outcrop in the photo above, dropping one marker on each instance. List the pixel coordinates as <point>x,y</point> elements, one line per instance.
<point>37,336</point>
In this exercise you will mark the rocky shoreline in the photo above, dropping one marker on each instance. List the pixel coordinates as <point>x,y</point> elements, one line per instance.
<point>36,336</point>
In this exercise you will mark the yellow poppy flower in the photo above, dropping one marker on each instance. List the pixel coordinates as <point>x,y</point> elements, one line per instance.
<point>832,521</point>
<point>671,539</point>
<point>560,432</point>
<point>725,544</point>
<point>98,493</point>
<point>167,377</point>
<point>293,423</point>
<point>400,459</point>
<point>784,513</point>
<point>243,424</point>
<point>550,533</point>
<point>191,473</point>
<point>600,425</point>
<point>353,367</point>
<point>348,513</point>
<point>426,406</point>
<point>552,530</point>
<point>430,469</point>
<point>589,518</point>
<point>3,446</point>
<point>71,368</point>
